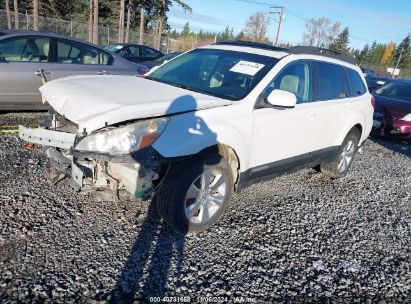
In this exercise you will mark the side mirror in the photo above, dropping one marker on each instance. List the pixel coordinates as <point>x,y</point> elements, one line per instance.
<point>280,98</point>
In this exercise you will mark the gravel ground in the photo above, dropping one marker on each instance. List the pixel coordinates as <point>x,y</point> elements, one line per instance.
<point>298,238</point>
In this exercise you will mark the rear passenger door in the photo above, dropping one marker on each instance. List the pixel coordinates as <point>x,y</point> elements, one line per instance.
<point>20,59</point>
<point>332,107</point>
<point>73,58</point>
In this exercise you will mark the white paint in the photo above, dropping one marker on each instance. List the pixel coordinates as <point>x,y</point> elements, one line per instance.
<point>93,101</point>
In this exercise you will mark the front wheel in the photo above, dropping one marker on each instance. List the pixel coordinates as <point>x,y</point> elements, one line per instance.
<point>195,193</point>
<point>339,167</point>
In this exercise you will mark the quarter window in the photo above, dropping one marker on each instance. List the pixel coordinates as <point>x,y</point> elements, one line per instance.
<point>149,53</point>
<point>75,53</point>
<point>357,86</point>
<point>330,81</point>
<point>294,78</point>
<point>131,51</point>
<point>25,50</point>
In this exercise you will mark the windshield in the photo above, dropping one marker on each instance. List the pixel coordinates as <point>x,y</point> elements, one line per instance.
<point>113,47</point>
<point>226,74</point>
<point>398,90</point>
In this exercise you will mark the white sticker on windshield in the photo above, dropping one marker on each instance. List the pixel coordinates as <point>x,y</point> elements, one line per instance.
<point>247,67</point>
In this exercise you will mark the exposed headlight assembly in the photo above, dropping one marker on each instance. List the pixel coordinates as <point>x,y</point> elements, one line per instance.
<point>125,139</point>
<point>407,117</point>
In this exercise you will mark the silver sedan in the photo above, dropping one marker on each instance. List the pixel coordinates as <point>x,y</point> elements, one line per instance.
<point>24,55</point>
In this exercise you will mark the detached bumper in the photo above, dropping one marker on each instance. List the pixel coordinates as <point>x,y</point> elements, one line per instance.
<point>104,175</point>
<point>47,137</point>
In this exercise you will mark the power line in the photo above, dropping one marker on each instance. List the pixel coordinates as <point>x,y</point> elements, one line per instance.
<point>296,15</point>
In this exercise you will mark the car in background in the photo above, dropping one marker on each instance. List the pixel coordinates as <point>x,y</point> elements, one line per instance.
<point>392,115</point>
<point>368,72</point>
<point>374,82</point>
<point>145,67</point>
<point>25,55</point>
<point>134,52</point>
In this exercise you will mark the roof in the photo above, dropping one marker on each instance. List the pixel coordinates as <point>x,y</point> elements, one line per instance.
<point>307,50</point>
<point>15,33</point>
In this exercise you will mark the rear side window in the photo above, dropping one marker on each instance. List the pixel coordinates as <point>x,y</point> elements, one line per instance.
<point>75,53</point>
<point>330,81</point>
<point>149,53</point>
<point>357,86</point>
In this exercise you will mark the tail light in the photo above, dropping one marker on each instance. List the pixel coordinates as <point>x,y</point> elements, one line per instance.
<point>373,102</point>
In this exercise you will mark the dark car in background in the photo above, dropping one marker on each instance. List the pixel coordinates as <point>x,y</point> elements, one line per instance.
<point>134,52</point>
<point>392,114</point>
<point>25,54</point>
<point>374,82</point>
<point>146,66</point>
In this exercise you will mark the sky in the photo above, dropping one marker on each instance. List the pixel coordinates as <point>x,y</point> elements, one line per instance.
<point>367,20</point>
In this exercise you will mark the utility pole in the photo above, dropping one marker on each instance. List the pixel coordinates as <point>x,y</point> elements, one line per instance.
<point>279,11</point>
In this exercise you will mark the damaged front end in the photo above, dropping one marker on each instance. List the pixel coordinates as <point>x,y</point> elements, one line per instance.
<point>113,163</point>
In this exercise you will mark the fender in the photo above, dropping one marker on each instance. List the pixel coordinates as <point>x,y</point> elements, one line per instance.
<point>190,133</point>
<point>355,119</point>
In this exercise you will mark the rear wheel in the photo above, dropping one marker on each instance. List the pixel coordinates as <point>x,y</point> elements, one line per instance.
<point>339,167</point>
<point>195,193</point>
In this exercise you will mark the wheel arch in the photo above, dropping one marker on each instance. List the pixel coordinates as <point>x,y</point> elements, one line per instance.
<point>229,154</point>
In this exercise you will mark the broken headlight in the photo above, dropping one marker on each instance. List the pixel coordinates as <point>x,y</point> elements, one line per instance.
<point>125,139</point>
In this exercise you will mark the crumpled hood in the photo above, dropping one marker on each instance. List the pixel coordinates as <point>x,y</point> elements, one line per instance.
<point>92,102</point>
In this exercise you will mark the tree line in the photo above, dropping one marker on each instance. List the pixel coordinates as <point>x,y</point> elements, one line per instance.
<point>151,16</point>
<point>322,32</point>
<point>145,15</point>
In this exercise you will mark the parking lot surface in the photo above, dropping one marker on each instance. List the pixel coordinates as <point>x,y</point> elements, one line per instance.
<point>299,238</point>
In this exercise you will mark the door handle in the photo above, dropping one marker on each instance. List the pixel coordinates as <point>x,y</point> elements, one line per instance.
<point>102,72</point>
<point>310,115</point>
<point>41,72</point>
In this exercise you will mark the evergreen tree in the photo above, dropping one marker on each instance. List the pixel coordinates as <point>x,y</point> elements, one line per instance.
<point>340,44</point>
<point>364,54</point>
<point>186,30</point>
<point>402,49</point>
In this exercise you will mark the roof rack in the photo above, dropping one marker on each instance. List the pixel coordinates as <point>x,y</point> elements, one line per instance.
<point>256,45</point>
<point>313,50</point>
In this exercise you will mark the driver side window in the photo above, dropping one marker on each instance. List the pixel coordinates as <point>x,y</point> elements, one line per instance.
<point>294,78</point>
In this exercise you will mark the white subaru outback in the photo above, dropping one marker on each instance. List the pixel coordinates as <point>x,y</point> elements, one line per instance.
<point>205,124</point>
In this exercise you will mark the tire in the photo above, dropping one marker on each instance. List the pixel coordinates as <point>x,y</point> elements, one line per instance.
<point>184,191</point>
<point>345,156</point>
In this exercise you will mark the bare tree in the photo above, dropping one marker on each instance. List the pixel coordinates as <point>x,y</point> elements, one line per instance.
<point>90,21</point>
<point>161,13</point>
<point>256,27</point>
<point>141,25</point>
<point>95,23</point>
<point>128,23</point>
<point>16,14</point>
<point>160,24</point>
<point>36,15</point>
<point>8,14</point>
<point>320,32</point>
<point>121,22</point>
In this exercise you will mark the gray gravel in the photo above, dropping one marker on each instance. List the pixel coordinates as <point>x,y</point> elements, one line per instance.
<point>298,238</point>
